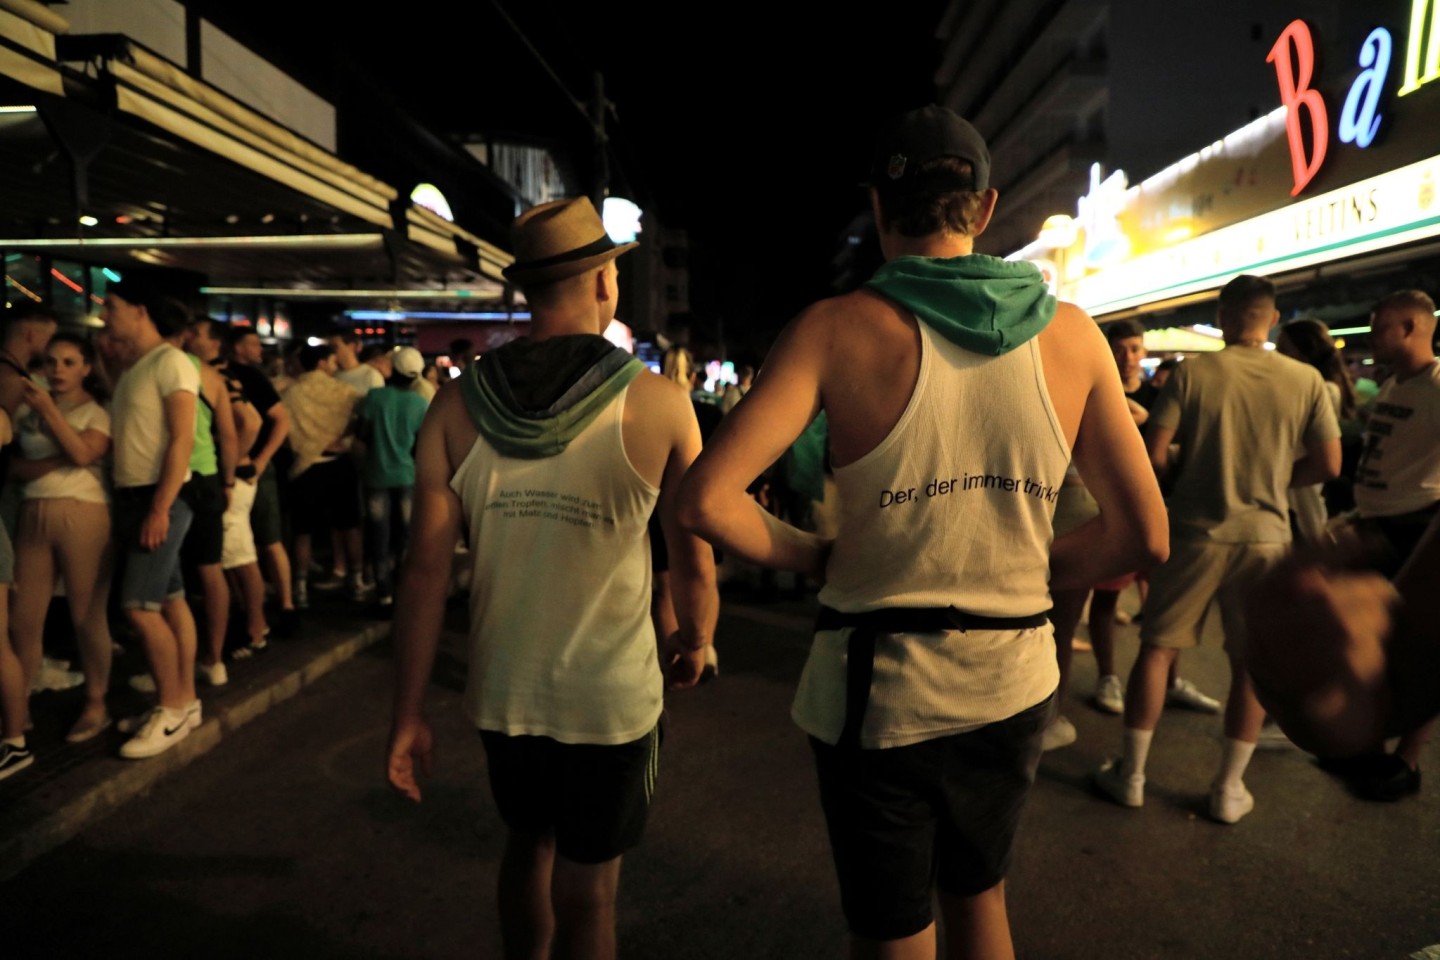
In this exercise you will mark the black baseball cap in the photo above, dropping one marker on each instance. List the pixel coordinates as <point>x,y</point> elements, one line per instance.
<point>916,137</point>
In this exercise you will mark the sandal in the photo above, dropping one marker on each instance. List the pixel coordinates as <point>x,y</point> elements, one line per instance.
<point>254,647</point>
<point>88,730</point>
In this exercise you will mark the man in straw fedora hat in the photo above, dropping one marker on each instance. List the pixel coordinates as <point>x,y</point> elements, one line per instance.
<point>552,456</point>
<point>956,390</point>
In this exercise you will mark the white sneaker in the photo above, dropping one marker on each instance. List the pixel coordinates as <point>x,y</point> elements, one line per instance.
<point>1110,694</point>
<point>1126,791</point>
<point>216,675</point>
<point>192,714</point>
<point>1060,733</point>
<point>52,677</point>
<point>161,730</point>
<point>1186,694</point>
<point>1229,804</point>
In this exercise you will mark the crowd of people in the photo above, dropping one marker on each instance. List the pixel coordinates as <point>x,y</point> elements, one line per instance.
<point>998,462</point>
<point>169,487</point>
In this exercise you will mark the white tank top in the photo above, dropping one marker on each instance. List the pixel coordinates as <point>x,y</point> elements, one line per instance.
<point>561,641</point>
<point>952,508</point>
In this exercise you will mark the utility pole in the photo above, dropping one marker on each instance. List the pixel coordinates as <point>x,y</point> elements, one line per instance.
<point>598,106</point>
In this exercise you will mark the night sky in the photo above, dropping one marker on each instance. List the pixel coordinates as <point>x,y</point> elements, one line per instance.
<point>747,124</point>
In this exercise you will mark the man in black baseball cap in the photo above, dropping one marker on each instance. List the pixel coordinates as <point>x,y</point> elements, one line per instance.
<point>955,388</point>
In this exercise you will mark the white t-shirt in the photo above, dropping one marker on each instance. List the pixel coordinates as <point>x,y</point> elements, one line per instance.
<point>68,482</point>
<point>363,378</point>
<point>1399,471</point>
<point>138,413</point>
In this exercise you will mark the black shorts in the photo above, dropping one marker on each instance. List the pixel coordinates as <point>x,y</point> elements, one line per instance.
<point>326,497</point>
<point>942,812</point>
<point>594,798</point>
<point>206,536</point>
<point>1392,539</point>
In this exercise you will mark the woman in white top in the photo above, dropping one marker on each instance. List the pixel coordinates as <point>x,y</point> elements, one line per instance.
<point>63,437</point>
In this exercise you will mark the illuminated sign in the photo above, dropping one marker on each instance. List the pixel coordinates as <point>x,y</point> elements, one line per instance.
<point>1414,79</point>
<point>1294,59</point>
<point>1360,120</point>
<point>1307,123</point>
<point>1387,210</point>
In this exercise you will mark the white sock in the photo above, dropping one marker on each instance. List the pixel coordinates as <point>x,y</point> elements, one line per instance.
<point>1234,761</point>
<point>17,742</point>
<point>1137,750</point>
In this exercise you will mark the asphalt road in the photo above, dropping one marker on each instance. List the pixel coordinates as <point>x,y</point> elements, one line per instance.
<point>286,842</point>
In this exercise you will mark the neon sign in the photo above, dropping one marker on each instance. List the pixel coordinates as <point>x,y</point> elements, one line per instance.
<point>1360,120</point>
<point>1414,79</point>
<point>1306,115</point>
<point>1294,59</point>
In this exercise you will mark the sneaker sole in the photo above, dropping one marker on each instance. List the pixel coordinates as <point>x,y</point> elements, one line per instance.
<point>17,766</point>
<point>132,751</point>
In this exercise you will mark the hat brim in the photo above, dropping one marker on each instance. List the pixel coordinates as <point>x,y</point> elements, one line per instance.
<point>523,274</point>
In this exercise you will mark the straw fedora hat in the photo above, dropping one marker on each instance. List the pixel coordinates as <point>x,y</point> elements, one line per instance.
<point>559,239</point>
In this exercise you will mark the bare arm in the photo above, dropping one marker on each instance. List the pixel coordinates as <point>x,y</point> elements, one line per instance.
<point>1157,446</point>
<point>26,470</point>
<point>424,584</point>
<point>180,419</point>
<point>713,498</point>
<point>79,448</point>
<point>1320,463</point>
<point>280,430</point>
<point>228,447</point>
<point>1132,530</point>
<point>247,427</point>
<point>692,561</point>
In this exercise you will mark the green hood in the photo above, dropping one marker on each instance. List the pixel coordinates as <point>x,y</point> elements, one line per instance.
<point>530,399</point>
<point>983,304</point>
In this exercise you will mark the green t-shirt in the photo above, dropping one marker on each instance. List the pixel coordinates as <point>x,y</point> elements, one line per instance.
<point>203,458</point>
<point>1239,416</point>
<point>389,421</point>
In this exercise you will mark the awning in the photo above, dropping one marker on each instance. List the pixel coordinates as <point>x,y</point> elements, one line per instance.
<point>176,173</point>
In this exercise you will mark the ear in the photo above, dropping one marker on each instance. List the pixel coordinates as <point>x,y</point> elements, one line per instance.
<point>875,211</point>
<point>1274,319</point>
<point>605,290</point>
<point>988,199</point>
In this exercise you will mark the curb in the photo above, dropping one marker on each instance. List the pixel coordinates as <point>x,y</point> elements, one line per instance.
<point>130,780</point>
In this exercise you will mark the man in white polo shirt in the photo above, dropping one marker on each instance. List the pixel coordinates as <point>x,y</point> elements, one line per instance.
<point>153,414</point>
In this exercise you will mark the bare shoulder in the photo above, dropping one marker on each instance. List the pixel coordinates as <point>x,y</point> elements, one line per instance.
<point>1073,338</point>
<point>656,401</point>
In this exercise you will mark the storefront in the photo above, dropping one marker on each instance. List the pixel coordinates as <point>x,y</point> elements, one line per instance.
<point>1332,194</point>
<point>122,161</point>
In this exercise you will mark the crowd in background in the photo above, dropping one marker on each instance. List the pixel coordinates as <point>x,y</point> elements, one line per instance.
<point>170,487</point>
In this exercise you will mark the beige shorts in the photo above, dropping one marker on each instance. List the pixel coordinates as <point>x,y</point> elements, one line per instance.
<point>1197,572</point>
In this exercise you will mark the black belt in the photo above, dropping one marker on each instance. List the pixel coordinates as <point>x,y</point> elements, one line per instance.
<point>867,626</point>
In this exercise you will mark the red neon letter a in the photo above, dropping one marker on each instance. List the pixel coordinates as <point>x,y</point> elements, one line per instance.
<point>1294,72</point>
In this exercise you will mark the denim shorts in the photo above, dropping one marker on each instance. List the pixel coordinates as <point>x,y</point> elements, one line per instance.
<point>151,577</point>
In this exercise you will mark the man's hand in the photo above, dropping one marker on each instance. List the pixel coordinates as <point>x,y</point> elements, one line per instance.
<point>410,742</point>
<point>155,529</point>
<point>682,665</point>
<point>1316,640</point>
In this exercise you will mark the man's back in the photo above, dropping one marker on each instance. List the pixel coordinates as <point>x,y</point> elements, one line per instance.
<point>1239,416</point>
<point>562,641</point>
